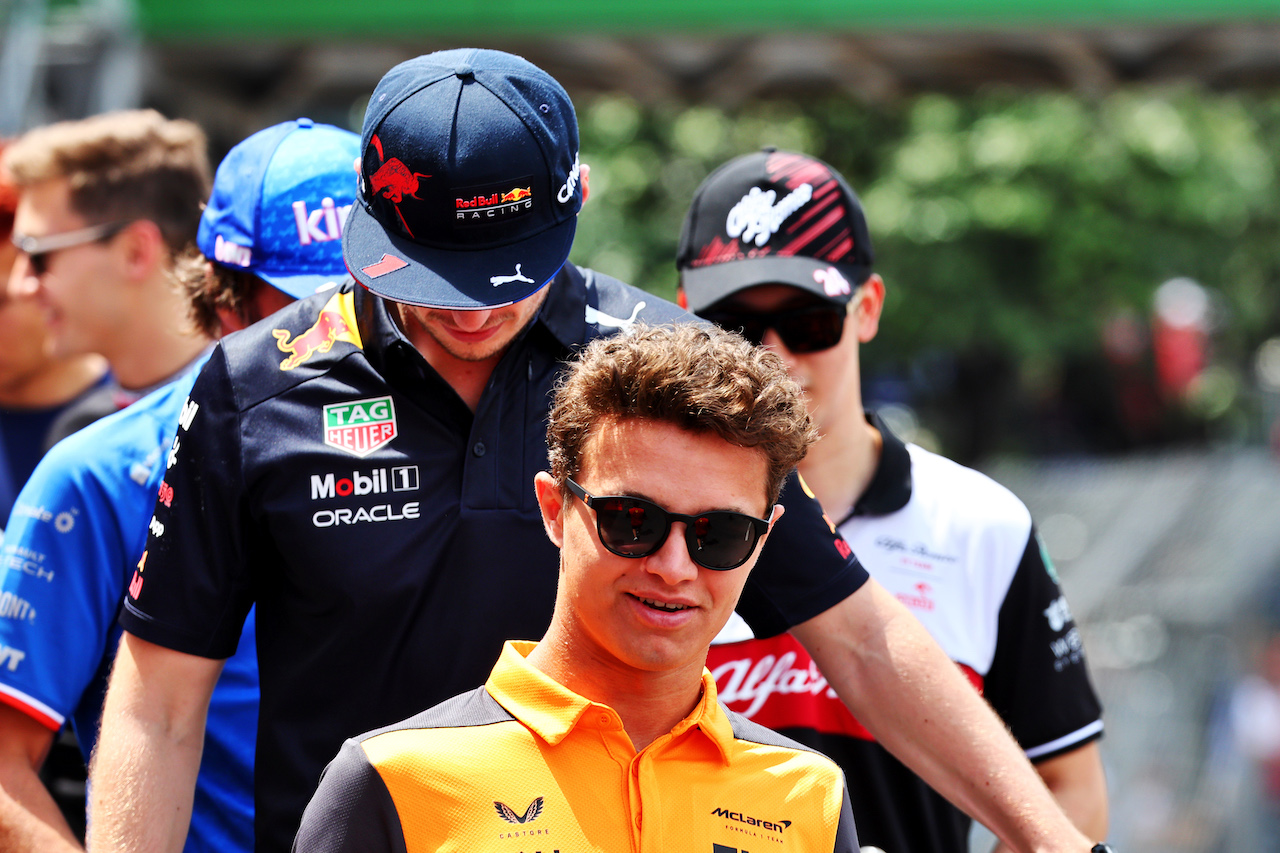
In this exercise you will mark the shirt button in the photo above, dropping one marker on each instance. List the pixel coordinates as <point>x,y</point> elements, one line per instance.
<point>478,448</point>
<point>604,719</point>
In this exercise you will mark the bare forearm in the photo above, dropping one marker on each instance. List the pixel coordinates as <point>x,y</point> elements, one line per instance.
<point>143,786</point>
<point>29,818</point>
<point>30,821</point>
<point>1079,785</point>
<point>143,772</point>
<point>897,681</point>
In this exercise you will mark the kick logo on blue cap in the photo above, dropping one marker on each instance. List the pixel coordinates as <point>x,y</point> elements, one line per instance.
<point>328,214</point>
<point>278,204</point>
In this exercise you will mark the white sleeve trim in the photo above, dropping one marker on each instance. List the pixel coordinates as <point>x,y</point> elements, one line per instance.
<point>33,703</point>
<point>1065,741</point>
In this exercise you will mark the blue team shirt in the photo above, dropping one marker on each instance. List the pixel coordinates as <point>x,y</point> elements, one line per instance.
<point>76,533</point>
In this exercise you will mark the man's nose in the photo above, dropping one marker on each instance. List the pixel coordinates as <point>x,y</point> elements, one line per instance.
<point>470,321</point>
<point>23,280</point>
<point>672,562</point>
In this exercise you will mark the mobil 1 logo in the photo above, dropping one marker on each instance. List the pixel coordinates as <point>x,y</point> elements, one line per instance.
<point>360,427</point>
<point>403,478</point>
<point>378,482</point>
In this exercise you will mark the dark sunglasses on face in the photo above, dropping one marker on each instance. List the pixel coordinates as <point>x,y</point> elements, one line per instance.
<point>38,249</point>
<point>633,527</point>
<point>809,329</point>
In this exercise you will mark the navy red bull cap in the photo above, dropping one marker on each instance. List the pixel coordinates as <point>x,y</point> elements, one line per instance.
<point>470,185</point>
<point>773,217</point>
<point>278,203</point>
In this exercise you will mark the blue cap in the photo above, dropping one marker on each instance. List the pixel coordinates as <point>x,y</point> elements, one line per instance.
<point>470,185</point>
<point>278,203</point>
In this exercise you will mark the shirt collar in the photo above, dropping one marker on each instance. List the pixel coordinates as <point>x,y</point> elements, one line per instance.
<point>379,332</point>
<point>564,314</point>
<point>890,486</point>
<point>551,710</point>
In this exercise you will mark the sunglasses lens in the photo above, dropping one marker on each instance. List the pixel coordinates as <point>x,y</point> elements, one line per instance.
<point>811,330</point>
<point>631,527</point>
<point>750,326</point>
<point>804,330</point>
<point>721,540</point>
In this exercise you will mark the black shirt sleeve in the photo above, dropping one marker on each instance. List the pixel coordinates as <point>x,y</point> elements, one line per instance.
<point>352,810</point>
<point>846,832</point>
<point>805,567</point>
<point>191,591</point>
<point>1039,682</point>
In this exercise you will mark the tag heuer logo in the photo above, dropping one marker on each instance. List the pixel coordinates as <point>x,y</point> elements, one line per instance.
<point>509,815</point>
<point>361,426</point>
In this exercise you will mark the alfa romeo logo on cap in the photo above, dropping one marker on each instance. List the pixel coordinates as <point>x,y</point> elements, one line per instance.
<point>360,427</point>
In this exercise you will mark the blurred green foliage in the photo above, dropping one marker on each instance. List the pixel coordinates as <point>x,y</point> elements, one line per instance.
<point>1014,222</point>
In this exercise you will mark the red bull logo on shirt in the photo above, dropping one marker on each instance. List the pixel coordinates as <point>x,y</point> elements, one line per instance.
<point>335,323</point>
<point>360,427</point>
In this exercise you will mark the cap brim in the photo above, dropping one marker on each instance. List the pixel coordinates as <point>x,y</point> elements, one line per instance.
<point>299,286</point>
<point>404,271</point>
<point>705,286</point>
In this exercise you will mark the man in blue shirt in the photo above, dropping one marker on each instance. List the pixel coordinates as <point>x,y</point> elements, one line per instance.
<point>80,525</point>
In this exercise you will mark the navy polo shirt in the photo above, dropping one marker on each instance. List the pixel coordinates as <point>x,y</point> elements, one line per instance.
<point>389,536</point>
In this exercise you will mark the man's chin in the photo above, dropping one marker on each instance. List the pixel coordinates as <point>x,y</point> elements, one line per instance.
<point>474,347</point>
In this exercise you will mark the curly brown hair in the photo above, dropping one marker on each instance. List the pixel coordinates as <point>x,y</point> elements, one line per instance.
<point>122,166</point>
<point>700,378</point>
<point>210,286</point>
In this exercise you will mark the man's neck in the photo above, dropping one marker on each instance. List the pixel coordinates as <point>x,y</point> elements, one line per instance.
<point>55,384</point>
<point>467,378</point>
<point>650,704</point>
<point>839,468</point>
<point>158,341</point>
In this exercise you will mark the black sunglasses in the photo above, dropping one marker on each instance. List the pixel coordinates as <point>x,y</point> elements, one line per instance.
<point>809,329</point>
<point>634,527</point>
<point>38,249</point>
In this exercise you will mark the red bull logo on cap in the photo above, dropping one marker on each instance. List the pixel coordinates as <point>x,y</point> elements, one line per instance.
<point>336,323</point>
<point>489,207</point>
<point>360,427</point>
<point>393,181</point>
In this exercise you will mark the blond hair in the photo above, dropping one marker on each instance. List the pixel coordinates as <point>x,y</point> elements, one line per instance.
<point>122,166</point>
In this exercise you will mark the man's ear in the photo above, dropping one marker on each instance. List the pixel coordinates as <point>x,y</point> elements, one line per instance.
<point>551,503</point>
<point>870,302</point>
<point>143,249</point>
<point>584,172</point>
<point>778,509</point>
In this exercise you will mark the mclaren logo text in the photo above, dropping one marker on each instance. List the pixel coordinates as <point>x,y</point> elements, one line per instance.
<point>772,826</point>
